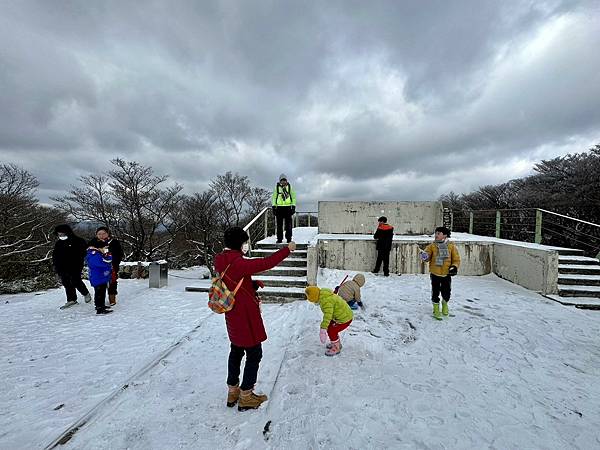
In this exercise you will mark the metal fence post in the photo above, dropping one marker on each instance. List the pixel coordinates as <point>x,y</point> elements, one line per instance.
<point>266,223</point>
<point>538,226</point>
<point>497,224</point>
<point>309,219</point>
<point>471,222</point>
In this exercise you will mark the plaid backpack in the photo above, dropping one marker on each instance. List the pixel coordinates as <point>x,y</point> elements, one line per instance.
<point>220,298</point>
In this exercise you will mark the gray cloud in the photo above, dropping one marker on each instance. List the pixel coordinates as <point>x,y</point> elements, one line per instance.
<point>350,99</point>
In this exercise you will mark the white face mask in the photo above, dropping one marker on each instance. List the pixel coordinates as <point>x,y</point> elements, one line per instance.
<point>245,248</point>
<point>63,238</point>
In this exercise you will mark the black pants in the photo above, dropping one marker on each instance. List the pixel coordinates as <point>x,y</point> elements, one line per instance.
<point>284,213</point>
<point>253,357</point>
<point>383,256</point>
<point>71,283</point>
<point>440,284</point>
<point>100,296</point>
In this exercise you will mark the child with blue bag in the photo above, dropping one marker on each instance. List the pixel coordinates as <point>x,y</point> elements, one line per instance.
<point>99,261</point>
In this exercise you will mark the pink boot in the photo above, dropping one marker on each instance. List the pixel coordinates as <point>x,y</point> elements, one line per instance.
<point>335,348</point>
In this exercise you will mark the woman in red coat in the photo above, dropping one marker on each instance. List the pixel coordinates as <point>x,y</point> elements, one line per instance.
<point>244,322</point>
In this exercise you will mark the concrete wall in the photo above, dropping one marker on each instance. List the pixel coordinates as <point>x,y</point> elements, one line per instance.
<point>534,269</point>
<point>360,255</point>
<point>407,218</point>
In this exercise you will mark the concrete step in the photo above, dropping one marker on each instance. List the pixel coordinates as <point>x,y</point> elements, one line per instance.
<point>281,281</point>
<point>575,279</point>
<point>579,260</point>
<point>261,253</point>
<point>267,294</point>
<point>581,269</point>
<point>293,262</point>
<point>285,271</point>
<point>578,291</point>
<point>570,252</point>
<point>261,246</point>
<point>577,302</point>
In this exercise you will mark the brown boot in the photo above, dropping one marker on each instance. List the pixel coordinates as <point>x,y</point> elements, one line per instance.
<point>233,394</point>
<point>250,400</point>
<point>112,299</point>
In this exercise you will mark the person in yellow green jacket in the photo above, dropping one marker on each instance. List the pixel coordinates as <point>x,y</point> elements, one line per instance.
<point>337,316</point>
<point>444,261</point>
<point>284,207</point>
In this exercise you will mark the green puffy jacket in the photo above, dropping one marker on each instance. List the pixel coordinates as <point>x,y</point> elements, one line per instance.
<point>283,196</point>
<point>334,308</point>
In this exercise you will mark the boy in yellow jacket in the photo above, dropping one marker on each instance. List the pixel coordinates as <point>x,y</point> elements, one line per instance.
<point>337,316</point>
<point>444,261</point>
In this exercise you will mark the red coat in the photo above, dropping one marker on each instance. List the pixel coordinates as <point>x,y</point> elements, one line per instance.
<point>244,322</point>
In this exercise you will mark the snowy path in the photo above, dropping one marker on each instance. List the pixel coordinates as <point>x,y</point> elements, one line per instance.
<point>511,369</point>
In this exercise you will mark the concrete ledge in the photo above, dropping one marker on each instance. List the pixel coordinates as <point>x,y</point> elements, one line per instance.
<point>532,266</point>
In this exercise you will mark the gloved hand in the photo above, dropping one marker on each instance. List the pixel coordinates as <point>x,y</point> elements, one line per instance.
<point>293,209</point>
<point>256,284</point>
<point>424,256</point>
<point>323,335</point>
<point>452,270</point>
<point>361,304</point>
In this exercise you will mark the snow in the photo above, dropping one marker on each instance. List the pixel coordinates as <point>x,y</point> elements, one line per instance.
<point>510,369</point>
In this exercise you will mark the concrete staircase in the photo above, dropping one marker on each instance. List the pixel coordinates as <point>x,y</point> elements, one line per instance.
<point>285,282</point>
<point>578,280</point>
<point>578,275</point>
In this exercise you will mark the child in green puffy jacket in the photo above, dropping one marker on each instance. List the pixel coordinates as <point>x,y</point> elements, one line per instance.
<point>337,316</point>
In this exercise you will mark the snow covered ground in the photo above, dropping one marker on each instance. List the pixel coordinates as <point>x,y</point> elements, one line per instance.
<point>510,369</point>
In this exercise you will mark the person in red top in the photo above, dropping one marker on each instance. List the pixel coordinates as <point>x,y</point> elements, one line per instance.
<point>384,236</point>
<point>244,322</point>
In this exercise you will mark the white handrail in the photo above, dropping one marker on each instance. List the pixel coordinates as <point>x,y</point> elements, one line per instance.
<point>247,227</point>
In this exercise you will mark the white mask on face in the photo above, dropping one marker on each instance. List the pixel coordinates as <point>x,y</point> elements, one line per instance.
<point>245,248</point>
<point>63,238</point>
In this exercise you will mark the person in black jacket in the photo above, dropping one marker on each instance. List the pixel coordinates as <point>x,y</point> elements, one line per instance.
<point>384,236</point>
<point>67,259</point>
<point>103,238</point>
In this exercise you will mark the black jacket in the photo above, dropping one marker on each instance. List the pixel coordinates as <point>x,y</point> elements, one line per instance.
<point>68,255</point>
<point>384,236</point>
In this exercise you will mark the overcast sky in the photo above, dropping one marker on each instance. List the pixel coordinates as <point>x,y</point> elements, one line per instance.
<point>379,100</point>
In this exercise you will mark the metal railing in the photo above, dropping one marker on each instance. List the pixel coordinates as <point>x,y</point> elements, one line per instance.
<point>264,223</point>
<point>531,225</point>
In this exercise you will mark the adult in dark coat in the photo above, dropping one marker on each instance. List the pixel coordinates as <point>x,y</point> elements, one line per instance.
<point>384,235</point>
<point>104,237</point>
<point>244,322</point>
<point>67,259</point>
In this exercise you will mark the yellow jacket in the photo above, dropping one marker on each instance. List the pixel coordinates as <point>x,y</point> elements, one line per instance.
<point>452,260</point>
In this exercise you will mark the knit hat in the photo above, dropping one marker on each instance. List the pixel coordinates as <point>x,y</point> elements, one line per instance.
<point>282,177</point>
<point>360,279</point>
<point>312,294</point>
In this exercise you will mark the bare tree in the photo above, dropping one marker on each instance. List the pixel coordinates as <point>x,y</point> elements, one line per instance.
<point>231,194</point>
<point>203,229</point>
<point>132,201</point>
<point>257,200</point>
<point>25,226</point>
